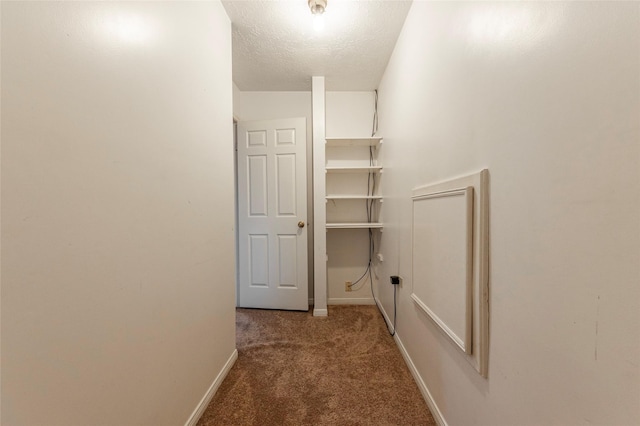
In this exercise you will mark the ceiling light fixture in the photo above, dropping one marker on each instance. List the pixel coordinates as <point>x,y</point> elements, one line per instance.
<point>317,9</point>
<point>317,6</point>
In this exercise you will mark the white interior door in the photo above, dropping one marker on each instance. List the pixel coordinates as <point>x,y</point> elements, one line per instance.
<point>272,214</point>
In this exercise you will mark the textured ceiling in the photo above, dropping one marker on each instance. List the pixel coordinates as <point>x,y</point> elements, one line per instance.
<point>275,46</point>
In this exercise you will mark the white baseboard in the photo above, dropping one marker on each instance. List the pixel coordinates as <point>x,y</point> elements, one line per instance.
<point>351,301</point>
<point>433,407</point>
<point>320,312</point>
<point>206,399</point>
<point>384,314</point>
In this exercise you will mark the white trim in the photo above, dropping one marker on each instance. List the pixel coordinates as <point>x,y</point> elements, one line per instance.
<point>318,114</point>
<point>320,312</point>
<point>478,354</point>
<point>462,342</point>
<point>351,301</point>
<point>206,399</point>
<point>464,346</point>
<point>433,407</point>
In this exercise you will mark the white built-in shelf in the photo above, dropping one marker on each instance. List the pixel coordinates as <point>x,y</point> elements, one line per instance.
<point>356,169</point>
<point>375,141</point>
<point>358,225</point>
<point>354,197</point>
<point>354,142</point>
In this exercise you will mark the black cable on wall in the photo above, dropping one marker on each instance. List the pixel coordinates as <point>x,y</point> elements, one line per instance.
<point>371,188</point>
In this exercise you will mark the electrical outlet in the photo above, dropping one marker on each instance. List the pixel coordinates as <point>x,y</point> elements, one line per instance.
<point>347,286</point>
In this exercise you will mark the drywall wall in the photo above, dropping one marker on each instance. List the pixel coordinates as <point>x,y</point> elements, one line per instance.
<point>248,106</point>
<point>117,210</point>
<point>348,114</point>
<point>271,105</point>
<point>546,96</point>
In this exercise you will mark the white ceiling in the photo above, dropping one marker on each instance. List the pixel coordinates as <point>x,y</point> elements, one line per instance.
<point>275,47</point>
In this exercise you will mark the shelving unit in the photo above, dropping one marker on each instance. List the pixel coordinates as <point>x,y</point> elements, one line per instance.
<point>375,142</point>
<point>354,197</point>
<point>353,169</point>
<point>351,157</point>
<point>358,225</point>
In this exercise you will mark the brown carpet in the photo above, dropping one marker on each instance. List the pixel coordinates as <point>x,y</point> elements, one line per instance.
<point>294,369</point>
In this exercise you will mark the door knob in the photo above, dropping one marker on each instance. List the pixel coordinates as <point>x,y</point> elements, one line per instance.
<point>301,224</point>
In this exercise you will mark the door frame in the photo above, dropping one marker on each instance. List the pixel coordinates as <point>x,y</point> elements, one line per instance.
<point>235,201</point>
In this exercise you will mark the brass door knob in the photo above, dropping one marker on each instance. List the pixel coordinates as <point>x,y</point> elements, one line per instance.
<point>301,224</point>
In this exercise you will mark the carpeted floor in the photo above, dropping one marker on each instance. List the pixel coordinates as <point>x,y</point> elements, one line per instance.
<point>294,369</point>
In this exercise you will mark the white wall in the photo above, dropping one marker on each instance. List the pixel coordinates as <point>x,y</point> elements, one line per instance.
<point>348,114</point>
<point>545,95</point>
<point>250,106</point>
<point>117,210</point>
